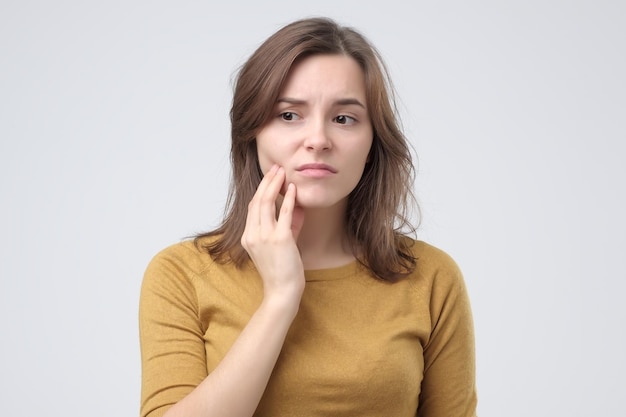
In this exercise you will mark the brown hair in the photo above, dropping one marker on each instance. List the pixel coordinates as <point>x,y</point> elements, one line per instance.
<point>377,216</point>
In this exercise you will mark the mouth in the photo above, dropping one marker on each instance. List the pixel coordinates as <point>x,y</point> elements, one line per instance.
<point>316,170</point>
<point>316,167</point>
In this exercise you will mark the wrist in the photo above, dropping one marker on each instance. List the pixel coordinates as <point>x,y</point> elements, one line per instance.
<point>284,302</point>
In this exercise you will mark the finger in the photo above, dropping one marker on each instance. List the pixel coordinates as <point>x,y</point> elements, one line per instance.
<point>297,214</point>
<point>285,215</point>
<point>265,181</point>
<point>268,201</point>
<point>254,219</point>
<point>297,221</point>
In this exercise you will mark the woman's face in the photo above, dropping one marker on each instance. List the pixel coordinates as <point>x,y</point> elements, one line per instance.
<point>320,132</point>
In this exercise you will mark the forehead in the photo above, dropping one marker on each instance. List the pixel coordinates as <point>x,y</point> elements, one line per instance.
<point>325,76</point>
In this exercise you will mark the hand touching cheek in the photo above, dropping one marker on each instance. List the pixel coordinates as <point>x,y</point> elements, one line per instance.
<point>270,240</point>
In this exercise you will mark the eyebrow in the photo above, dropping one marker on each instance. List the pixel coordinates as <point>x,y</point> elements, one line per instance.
<point>340,102</point>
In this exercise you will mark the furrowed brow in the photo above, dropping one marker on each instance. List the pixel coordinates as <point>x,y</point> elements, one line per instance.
<point>340,102</point>
<point>290,100</point>
<point>348,102</point>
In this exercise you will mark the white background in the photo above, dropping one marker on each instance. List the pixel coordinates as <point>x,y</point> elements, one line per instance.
<point>114,144</point>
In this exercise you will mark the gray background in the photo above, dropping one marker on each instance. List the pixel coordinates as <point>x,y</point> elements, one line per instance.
<point>114,141</point>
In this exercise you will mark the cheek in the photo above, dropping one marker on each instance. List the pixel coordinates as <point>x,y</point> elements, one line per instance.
<point>264,164</point>
<point>270,154</point>
<point>267,151</point>
<point>265,159</point>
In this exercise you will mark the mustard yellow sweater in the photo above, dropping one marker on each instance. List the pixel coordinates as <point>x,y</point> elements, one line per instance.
<point>357,347</point>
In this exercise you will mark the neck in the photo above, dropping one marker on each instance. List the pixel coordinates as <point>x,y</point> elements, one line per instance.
<point>322,241</point>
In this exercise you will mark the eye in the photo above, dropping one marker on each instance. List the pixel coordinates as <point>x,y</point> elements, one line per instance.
<point>345,120</point>
<point>289,116</point>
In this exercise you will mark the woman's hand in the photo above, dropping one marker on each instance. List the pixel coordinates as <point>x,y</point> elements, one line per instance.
<point>271,241</point>
<point>235,387</point>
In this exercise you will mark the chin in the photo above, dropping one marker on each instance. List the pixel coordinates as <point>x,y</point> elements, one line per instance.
<point>307,201</point>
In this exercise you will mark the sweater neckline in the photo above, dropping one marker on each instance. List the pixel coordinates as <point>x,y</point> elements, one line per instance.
<point>331,274</point>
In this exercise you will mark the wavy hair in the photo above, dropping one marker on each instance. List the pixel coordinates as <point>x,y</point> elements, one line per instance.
<point>377,219</point>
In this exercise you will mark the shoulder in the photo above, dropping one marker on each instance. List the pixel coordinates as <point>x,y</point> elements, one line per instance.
<point>435,268</point>
<point>430,257</point>
<point>185,254</point>
<point>438,283</point>
<point>176,266</point>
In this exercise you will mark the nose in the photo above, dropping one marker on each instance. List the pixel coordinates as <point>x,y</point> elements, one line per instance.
<point>317,136</point>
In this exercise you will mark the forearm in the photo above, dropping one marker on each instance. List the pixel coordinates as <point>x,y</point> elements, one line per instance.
<point>234,388</point>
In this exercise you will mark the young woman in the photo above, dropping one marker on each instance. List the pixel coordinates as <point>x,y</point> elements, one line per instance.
<point>309,299</point>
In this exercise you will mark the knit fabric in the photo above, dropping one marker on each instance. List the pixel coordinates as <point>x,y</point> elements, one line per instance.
<point>358,346</point>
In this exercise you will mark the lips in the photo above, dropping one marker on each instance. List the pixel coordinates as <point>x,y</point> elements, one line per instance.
<point>316,167</point>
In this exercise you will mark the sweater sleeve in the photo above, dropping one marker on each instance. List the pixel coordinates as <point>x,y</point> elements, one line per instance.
<point>172,347</point>
<point>448,388</point>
